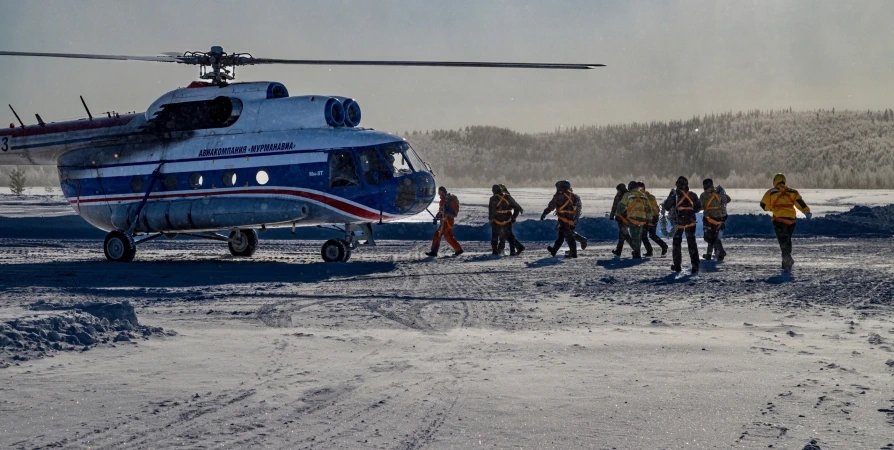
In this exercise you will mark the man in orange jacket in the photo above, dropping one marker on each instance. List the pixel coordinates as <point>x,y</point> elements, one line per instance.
<point>782,201</point>
<point>448,208</point>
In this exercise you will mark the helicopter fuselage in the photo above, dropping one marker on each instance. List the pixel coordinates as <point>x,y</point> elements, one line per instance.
<point>259,159</point>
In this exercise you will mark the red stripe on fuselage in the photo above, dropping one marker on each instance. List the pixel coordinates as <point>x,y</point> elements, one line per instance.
<point>333,202</point>
<point>66,127</point>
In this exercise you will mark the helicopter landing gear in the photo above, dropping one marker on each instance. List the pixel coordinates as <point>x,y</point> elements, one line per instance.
<point>243,242</point>
<point>119,247</point>
<point>355,235</point>
<point>336,250</point>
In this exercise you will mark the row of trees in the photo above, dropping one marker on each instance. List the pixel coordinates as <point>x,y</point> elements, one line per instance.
<point>818,149</point>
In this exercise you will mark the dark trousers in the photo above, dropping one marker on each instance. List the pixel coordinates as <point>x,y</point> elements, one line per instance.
<point>623,236</point>
<point>690,242</point>
<point>784,233</point>
<point>499,235</point>
<point>566,234</point>
<point>650,231</point>
<point>712,238</point>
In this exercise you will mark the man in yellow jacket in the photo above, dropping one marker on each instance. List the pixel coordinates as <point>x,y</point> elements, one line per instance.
<point>634,207</point>
<point>782,201</point>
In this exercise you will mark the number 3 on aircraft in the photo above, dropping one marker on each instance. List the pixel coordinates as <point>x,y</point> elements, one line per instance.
<point>5,145</point>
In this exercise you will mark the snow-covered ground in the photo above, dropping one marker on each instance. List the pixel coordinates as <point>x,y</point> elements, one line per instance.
<point>392,350</point>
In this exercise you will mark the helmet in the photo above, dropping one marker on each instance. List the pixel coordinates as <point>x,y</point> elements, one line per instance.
<point>621,188</point>
<point>708,183</point>
<point>496,189</point>
<point>632,185</point>
<point>681,182</point>
<point>778,179</point>
<point>563,185</point>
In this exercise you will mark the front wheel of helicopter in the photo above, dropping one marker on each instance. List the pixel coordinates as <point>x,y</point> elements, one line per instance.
<point>243,242</point>
<point>335,250</point>
<point>119,247</point>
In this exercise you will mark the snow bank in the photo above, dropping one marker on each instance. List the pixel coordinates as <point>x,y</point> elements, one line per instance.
<point>69,328</point>
<point>861,221</point>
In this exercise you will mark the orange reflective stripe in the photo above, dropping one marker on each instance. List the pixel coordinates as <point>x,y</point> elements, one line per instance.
<point>710,202</point>
<point>685,208</point>
<point>712,221</point>
<point>636,222</point>
<point>784,220</point>
<point>569,200</point>
<point>503,222</point>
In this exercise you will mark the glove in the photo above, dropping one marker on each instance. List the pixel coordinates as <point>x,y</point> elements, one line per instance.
<point>808,215</point>
<point>542,216</point>
<point>434,221</point>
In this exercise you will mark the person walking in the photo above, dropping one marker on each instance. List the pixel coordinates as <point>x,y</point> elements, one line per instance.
<point>503,210</point>
<point>685,205</point>
<point>448,208</point>
<point>650,230</point>
<point>782,201</point>
<point>623,234</point>
<point>635,209</point>
<point>567,206</point>
<point>714,203</point>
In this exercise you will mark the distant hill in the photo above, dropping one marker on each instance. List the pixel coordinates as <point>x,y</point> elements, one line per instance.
<point>819,149</point>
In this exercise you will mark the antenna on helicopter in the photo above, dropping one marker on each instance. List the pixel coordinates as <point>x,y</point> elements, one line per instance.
<point>85,107</point>
<point>17,116</point>
<point>40,121</point>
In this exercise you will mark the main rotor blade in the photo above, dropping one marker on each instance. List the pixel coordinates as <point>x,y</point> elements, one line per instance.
<point>501,65</point>
<point>87,56</point>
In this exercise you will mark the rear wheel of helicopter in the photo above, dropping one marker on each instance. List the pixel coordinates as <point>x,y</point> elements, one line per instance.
<point>119,247</point>
<point>335,250</point>
<point>243,242</point>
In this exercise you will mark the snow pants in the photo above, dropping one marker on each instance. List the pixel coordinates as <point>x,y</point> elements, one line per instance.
<point>636,238</point>
<point>566,234</point>
<point>678,247</point>
<point>499,235</point>
<point>784,234</point>
<point>445,231</point>
<point>623,236</point>
<point>650,231</point>
<point>712,238</point>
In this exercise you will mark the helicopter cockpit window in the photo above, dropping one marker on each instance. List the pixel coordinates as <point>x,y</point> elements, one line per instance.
<point>374,169</point>
<point>415,160</point>
<point>342,170</point>
<point>395,158</point>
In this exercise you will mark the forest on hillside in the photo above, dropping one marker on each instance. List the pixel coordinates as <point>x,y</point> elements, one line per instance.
<point>818,149</point>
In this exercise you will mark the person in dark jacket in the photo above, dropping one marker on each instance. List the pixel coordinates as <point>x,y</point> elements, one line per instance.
<point>567,206</point>
<point>623,234</point>
<point>502,212</point>
<point>686,204</point>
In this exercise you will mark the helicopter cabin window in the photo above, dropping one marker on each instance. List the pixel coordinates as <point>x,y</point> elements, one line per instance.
<point>136,184</point>
<point>395,158</point>
<point>171,182</point>
<point>262,177</point>
<point>374,169</point>
<point>415,160</point>
<point>342,170</point>
<point>229,178</point>
<point>195,180</point>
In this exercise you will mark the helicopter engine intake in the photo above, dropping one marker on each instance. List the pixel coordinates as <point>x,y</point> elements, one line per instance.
<point>352,111</point>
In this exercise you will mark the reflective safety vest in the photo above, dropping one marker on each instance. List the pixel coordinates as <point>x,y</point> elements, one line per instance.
<point>782,203</point>
<point>567,211</point>
<point>713,209</point>
<point>636,208</point>
<point>502,211</point>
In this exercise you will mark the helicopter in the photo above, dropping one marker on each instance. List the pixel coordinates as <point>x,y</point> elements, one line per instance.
<point>221,160</point>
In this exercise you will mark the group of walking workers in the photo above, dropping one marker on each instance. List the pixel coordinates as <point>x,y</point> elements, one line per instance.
<point>638,215</point>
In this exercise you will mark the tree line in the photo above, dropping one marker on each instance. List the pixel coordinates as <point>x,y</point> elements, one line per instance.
<point>817,149</point>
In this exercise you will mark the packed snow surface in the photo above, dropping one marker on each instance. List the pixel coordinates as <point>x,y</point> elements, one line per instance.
<point>396,350</point>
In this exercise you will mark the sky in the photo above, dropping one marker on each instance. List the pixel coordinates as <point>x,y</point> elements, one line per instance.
<point>666,60</point>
